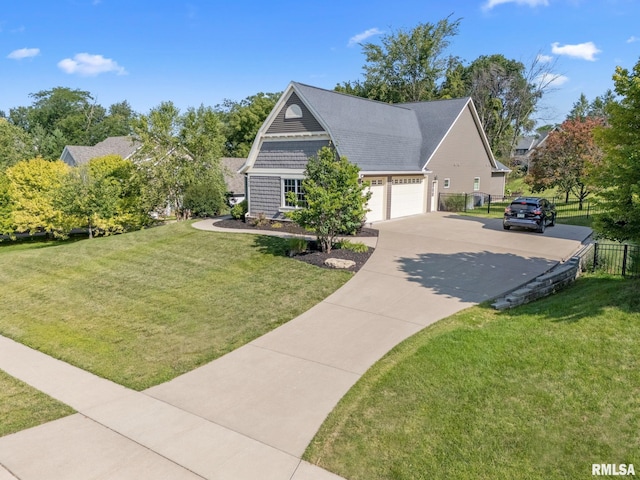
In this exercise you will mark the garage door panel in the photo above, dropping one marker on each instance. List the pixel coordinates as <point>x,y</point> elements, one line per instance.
<point>407,197</point>
<point>376,202</point>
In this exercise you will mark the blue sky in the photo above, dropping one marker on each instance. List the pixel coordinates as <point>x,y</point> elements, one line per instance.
<point>203,51</point>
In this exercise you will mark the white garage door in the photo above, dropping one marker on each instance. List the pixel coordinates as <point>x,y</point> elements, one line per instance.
<point>376,202</point>
<point>407,196</point>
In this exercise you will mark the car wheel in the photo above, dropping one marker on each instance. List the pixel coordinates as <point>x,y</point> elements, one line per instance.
<point>541,226</point>
<point>506,227</point>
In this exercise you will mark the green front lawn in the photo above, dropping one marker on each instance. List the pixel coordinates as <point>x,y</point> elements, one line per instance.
<point>539,392</point>
<point>142,308</point>
<point>23,407</point>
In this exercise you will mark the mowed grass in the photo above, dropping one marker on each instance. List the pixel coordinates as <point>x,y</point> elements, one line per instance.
<point>144,307</point>
<point>539,392</point>
<point>23,407</point>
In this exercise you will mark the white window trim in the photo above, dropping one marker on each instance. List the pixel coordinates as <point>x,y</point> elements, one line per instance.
<point>446,183</point>
<point>283,202</point>
<point>476,184</point>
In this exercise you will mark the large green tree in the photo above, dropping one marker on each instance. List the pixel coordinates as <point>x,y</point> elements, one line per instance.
<point>243,119</point>
<point>583,109</point>
<point>334,200</point>
<point>408,64</point>
<point>15,144</point>
<point>619,174</point>
<point>505,98</point>
<point>176,151</point>
<point>63,116</point>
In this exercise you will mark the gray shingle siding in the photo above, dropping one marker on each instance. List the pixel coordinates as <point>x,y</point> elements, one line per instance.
<point>265,196</point>
<point>288,154</point>
<point>307,123</point>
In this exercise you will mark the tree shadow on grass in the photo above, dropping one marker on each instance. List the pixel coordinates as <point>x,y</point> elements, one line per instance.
<point>271,245</point>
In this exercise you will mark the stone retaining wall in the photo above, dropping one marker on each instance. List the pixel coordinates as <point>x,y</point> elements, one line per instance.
<point>550,282</point>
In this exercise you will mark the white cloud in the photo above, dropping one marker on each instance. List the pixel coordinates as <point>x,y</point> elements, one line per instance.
<point>551,80</point>
<point>531,3</point>
<point>544,58</point>
<point>633,39</point>
<point>585,51</point>
<point>356,39</point>
<point>24,53</point>
<point>90,65</point>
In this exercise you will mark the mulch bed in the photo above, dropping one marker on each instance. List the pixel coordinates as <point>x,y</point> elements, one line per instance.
<point>312,256</point>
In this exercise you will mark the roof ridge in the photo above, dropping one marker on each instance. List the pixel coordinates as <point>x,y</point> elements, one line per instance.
<point>370,100</point>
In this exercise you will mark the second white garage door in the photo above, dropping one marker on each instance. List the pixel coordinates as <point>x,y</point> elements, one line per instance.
<point>376,203</point>
<point>407,196</point>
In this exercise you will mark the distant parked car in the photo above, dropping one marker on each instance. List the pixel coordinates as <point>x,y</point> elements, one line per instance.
<point>530,212</point>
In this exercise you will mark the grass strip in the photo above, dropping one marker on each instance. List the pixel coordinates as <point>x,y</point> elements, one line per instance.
<point>538,392</point>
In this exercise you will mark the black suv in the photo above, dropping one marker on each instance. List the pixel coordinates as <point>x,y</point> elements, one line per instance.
<point>530,212</point>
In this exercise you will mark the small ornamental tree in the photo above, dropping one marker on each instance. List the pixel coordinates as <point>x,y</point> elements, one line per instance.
<point>567,159</point>
<point>334,200</point>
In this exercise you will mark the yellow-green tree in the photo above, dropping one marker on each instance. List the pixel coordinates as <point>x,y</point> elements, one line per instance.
<point>102,196</point>
<point>33,187</point>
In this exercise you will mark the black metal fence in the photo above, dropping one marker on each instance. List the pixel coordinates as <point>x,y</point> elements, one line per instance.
<point>494,205</point>
<point>616,259</point>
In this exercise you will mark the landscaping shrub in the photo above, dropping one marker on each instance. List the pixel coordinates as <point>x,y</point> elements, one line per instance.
<point>239,210</point>
<point>296,245</point>
<point>357,247</point>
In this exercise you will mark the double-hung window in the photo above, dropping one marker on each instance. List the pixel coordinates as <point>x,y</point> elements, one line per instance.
<point>293,185</point>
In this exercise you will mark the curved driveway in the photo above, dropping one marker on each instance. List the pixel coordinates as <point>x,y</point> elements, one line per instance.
<point>251,413</point>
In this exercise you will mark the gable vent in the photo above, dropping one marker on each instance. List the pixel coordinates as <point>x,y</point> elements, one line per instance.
<point>293,111</point>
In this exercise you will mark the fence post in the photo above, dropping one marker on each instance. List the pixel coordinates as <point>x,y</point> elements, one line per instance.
<point>595,257</point>
<point>465,202</point>
<point>489,205</point>
<point>624,259</point>
<point>588,208</point>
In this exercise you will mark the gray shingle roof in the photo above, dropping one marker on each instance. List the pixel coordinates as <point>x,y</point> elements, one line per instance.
<point>233,179</point>
<point>379,136</point>
<point>123,146</point>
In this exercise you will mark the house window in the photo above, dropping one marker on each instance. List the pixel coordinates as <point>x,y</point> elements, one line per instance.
<point>447,182</point>
<point>293,185</point>
<point>375,182</point>
<point>476,184</point>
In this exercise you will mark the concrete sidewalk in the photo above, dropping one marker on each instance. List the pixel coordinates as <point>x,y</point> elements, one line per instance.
<point>251,413</point>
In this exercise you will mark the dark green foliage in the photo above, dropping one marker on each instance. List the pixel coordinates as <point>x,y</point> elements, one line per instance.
<point>239,210</point>
<point>243,119</point>
<point>335,201</point>
<point>63,116</point>
<point>205,197</point>
<point>619,172</point>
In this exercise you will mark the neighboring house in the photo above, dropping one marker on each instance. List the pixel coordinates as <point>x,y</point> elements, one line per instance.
<point>233,179</point>
<point>526,145</point>
<point>75,155</point>
<point>407,152</point>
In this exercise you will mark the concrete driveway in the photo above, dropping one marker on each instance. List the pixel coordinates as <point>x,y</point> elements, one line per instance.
<point>251,413</point>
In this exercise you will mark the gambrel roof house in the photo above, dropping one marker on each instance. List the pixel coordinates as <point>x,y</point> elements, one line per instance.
<point>75,155</point>
<point>407,152</point>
